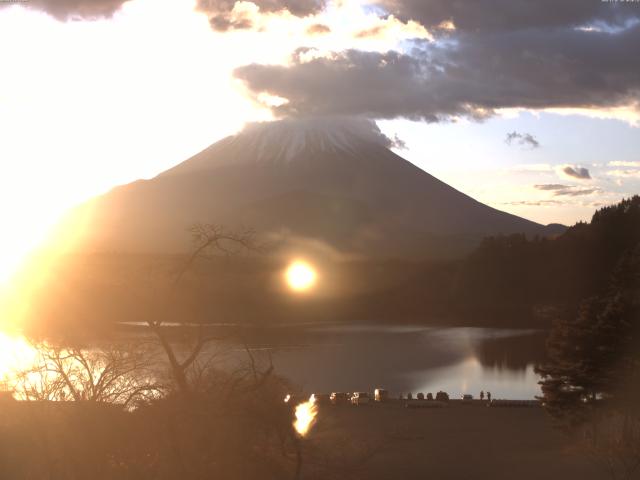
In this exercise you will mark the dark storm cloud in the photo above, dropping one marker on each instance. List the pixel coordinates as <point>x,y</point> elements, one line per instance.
<point>577,172</point>
<point>472,77</point>
<point>509,15</point>
<point>299,8</point>
<point>218,10</point>
<point>522,139</point>
<point>220,18</point>
<point>69,9</point>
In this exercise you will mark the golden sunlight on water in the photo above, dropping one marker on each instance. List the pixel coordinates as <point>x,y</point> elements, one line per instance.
<point>305,416</point>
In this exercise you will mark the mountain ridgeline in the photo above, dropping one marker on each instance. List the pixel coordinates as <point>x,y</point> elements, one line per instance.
<point>304,185</point>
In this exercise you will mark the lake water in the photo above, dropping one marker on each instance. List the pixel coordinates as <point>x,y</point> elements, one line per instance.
<point>363,357</point>
<point>406,359</point>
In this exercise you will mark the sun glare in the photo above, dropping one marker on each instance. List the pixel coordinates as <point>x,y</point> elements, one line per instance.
<point>15,354</point>
<point>305,416</point>
<point>73,124</point>
<point>300,276</point>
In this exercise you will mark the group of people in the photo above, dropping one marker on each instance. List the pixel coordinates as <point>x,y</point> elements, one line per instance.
<point>482,395</point>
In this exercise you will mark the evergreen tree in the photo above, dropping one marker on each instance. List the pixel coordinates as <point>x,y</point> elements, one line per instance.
<point>591,382</point>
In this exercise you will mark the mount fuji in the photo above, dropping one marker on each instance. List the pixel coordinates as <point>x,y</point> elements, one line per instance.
<point>305,184</point>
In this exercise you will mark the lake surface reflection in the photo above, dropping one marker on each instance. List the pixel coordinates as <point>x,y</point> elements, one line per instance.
<point>407,359</point>
<point>401,359</point>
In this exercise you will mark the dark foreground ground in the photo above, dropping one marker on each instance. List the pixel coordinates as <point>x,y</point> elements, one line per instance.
<point>457,442</point>
<point>239,440</point>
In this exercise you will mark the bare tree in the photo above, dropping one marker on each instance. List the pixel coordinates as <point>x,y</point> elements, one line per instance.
<point>208,239</point>
<point>117,374</point>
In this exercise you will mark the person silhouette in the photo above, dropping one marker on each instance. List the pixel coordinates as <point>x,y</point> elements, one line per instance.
<point>489,396</point>
<point>481,394</point>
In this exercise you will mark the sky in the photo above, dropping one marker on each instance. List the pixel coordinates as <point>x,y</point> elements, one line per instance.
<point>531,107</point>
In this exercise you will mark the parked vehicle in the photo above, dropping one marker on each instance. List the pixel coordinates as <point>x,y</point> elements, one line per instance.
<point>467,397</point>
<point>322,398</point>
<point>381,395</point>
<point>360,398</point>
<point>339,398</point>
<point>442,396</point>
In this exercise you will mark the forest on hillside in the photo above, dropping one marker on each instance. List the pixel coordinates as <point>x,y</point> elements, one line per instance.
<point>540,276</point>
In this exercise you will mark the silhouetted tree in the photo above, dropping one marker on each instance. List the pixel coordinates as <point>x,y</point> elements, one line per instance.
<point>208,239</point>
<point>512,276</point>
<point>117,374</point>
<point>590,384</point>
<point>207,398</point>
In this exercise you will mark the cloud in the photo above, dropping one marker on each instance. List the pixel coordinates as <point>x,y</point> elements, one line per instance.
<point>551,186</point>
<point>522,139</point>
<point>220,12</point>
<point>624,164</point>
<point>510,15</point>
<point>532,168</point>
<point>372,32</point>
<point>580,173</point>
<point>299,8</point>
<point>622,173</point>
<point>472,76</point>
<point>554,203</point>
<point>536,203</point>
<point>397,143</point>
<point>576,192</point>
<point>318,29</point>
<point>624,170</point>
<point>566,190</point>
<point>222,16</point>
<point>69,9</point>
<point>224,22</point>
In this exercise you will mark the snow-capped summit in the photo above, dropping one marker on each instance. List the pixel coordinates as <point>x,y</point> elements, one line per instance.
<point>288,140</point>
<point>329,182</point>
<point>290,137</point>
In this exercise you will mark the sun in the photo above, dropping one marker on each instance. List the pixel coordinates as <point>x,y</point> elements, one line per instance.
<point>300,276</point>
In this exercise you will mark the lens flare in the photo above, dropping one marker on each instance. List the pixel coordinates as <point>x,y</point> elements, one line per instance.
<point>305,416</point>
<point>300,276</point>
<point>16,354</point>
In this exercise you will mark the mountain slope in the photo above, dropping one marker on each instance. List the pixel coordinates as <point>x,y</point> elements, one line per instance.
<point>305,184</point>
